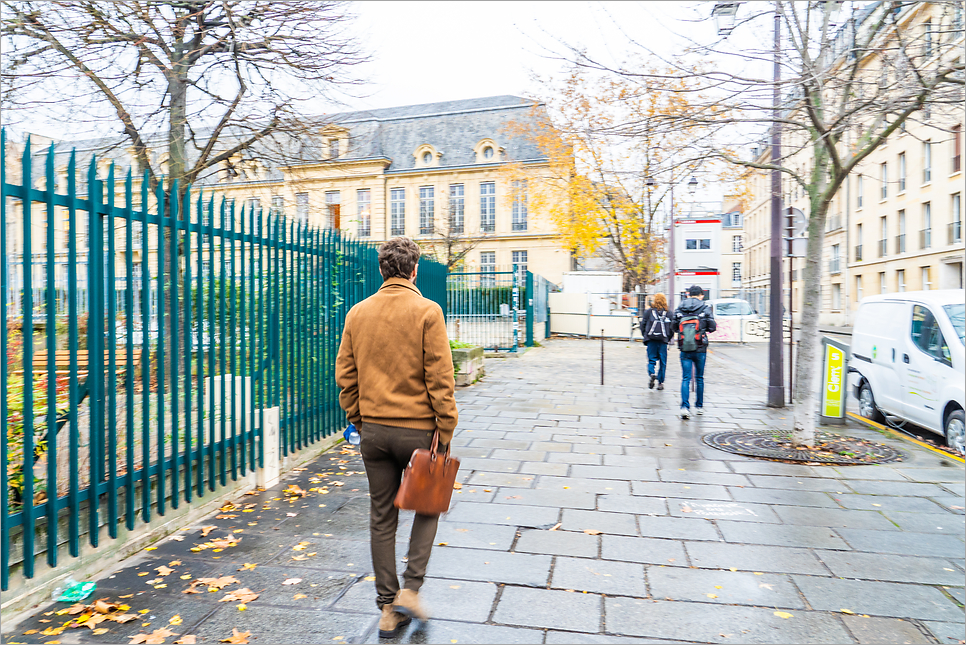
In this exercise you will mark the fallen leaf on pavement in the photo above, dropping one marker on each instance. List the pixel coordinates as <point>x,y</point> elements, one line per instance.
<point>295,491</point>
<point>457,485</point>
<point>213,584</point>
<point>177,538</point>
<point>225,542</point>
<point>248,566</point>
<point>164,571</point>
<point>175,620</point>
<point>783,614</point>
<point>299,596</point>
<point>292,581</point>
<point>104,607</point>
<point>686,509</point>
<point>205,530</point>
<point>592,532</point>
<point>154,638</point>
<point>847,611</point>
<point>555,526</point>
<point>101,630</point>
<point>240,595</point>
<point>237,637</point>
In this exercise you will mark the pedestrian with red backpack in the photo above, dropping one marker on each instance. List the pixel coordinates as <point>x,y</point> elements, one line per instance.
<point>693,321</point>
<point>657,332</point>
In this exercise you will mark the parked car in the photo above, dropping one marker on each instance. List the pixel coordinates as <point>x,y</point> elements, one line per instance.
<point>907,360</point>
<point>734,307</point>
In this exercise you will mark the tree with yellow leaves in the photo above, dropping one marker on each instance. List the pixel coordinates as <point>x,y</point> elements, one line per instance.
<point>603,141</point>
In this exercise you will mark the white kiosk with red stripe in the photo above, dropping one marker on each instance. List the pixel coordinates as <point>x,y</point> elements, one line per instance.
<point>697,255</point>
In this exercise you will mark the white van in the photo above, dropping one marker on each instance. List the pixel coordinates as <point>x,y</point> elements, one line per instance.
<point>907,360</point>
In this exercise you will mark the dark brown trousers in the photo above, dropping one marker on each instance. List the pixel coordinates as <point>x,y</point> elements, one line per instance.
<point>386,451</point>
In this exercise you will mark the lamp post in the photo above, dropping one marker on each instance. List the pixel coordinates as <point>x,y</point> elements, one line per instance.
<point>724,14</point>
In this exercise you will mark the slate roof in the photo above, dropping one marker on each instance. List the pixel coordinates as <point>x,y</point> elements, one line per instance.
<point>451,127</point>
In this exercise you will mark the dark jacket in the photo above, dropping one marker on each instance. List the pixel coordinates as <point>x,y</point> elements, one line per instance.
<point>701,309</point>
<point>648,318</point>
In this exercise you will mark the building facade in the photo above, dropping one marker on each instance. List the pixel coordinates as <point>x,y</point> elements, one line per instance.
<point>434,172</point>
<point>896,222</point>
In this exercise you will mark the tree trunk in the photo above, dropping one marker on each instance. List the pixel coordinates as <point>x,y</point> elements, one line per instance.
<point>805,399</point>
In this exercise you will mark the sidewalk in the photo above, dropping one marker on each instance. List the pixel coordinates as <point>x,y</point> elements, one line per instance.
<point>588,514</point>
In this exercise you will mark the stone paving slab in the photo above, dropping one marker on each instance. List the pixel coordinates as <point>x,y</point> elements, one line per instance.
<point>746,557</point>
<point>644,550</point>
<point>878,598</point>
<point>893,568</point>
<point>708,623</point>
<point>549,609</point>
<point>599,576</point>
<point>558,543</point>
<point>491,566</point>
<point>904,543</point>
<point>723,587</point>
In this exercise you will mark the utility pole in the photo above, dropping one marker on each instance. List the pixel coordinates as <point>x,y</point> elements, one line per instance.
<point>670,254</point>
<point>776,388</point>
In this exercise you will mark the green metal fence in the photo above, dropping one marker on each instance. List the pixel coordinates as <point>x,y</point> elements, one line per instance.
<point>496,309</point>
<point>197,317</point>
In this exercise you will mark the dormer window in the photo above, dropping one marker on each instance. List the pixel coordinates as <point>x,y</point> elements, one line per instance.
<point>427,156</point>
<point>333,148</point>
<point>487,151</point>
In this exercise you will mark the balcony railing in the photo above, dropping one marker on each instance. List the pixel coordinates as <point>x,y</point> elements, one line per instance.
<point>955,232</point>
<point>925,238</point>
<point>901,243</point>
<point>834,222</point>
<point>957,163</point>
<point>834,266</point>
<point>858,252</point>
<point>882,248</point>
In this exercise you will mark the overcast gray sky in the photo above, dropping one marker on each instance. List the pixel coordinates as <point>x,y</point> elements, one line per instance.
<point>440,51</point>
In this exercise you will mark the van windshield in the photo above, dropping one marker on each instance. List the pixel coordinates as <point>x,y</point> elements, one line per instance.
<point>957,316</point>
<point>733,308</point>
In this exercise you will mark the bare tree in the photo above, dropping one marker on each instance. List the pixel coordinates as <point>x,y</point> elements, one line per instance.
<point>451,242</point>
<point>215,77</point>
<point>852,75</point>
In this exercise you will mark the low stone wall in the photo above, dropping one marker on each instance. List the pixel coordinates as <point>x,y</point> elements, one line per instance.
<point>468,362</point>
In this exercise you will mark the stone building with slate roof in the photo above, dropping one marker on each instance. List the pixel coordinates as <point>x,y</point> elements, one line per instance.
<point>418,170</point>
<point>415,170</point>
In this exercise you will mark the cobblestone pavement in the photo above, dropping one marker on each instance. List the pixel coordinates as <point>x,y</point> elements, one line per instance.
<point>591,514</point>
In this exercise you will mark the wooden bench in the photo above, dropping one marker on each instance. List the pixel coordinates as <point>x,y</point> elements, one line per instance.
<point>62,360</point>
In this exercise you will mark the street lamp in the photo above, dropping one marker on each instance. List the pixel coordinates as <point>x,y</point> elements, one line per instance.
<point>692,185</point>
<point>724,14</point>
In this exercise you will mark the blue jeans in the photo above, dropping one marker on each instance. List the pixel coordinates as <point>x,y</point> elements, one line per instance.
<point>657,351</point>
<point>695,359</point>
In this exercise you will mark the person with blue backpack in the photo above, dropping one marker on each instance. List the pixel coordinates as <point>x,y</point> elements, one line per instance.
<point>657,332</point>
<point>693,321</point>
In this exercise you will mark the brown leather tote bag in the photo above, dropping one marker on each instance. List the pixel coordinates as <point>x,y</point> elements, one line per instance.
<point>427,482</point>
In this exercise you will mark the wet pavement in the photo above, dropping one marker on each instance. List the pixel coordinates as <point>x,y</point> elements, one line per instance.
<point>587,514</point>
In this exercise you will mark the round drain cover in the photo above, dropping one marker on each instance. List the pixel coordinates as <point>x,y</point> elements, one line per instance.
<point>829,448</point>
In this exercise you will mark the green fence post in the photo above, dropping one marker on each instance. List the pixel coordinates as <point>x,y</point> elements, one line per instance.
<point>529,296</point>
<point>50,325</point>
<point>129,346</point>
<point>111,383</point>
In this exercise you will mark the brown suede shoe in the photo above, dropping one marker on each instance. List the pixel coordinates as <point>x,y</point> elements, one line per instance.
<point>407,602</point>
<point>391,622</point>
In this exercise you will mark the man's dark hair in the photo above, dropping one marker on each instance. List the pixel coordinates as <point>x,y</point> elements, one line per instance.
<point>398,258</point>
<point>693,290</point>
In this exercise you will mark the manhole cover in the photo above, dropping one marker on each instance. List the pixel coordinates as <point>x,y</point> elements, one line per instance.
<point>829,448</point>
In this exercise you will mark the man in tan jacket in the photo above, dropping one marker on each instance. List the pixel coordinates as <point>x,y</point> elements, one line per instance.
<point>396,373</point>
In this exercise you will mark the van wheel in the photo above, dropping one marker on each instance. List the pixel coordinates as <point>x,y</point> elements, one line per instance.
<point>867,406</point>
<point>954,431</point>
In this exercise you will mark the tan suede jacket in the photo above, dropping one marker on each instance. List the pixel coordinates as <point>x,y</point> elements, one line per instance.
<point>394,364</point>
